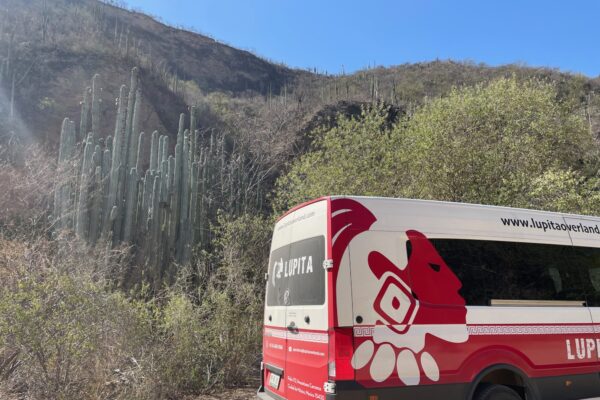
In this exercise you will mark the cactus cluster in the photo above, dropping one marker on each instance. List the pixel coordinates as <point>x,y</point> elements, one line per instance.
<point>163,211</point>
<point>112,198</point>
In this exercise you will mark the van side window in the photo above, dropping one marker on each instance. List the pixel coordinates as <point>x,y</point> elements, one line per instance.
<point>522,271</point>
<point>296,274</point>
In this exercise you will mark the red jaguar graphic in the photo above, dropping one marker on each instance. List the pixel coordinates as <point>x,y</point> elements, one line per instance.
<point>415,301</point>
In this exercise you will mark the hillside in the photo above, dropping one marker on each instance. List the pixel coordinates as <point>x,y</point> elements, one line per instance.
<point>50,51</point>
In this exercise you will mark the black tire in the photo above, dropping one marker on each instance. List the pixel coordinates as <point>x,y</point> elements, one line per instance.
<point>496,392</point>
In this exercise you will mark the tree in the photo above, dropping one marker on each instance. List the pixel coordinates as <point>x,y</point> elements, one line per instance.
<point>564,191</point>
<point>487,143</point>
<point>351,158</point>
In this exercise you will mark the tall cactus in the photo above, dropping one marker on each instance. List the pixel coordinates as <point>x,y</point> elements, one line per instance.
<point>153,222</point>
<point>154,151</point>
<point>191,225</point>
<point>96,209</point>
<point>193,127</point>
<point>129,149</point>
<point>146,198</point>
<point>159,154</point>
<point>130,205</point>
<point>140,150</point>
<point>185,199</point>
<point>85,110</point>
<point>177,184</point>
<point>83,221</point>
<point>117,143</point>
<point>95,105</point>
<point>135,132</point>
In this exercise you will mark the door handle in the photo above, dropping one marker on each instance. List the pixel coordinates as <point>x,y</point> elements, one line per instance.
<point>292,327</point>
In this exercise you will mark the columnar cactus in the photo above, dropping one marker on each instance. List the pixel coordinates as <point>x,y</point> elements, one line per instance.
<point>193,142</point>
<point>161,145</point>
<point>185,192</point>
<point>82,225</point>
<point>130,205</point>
<point>146,198</point>
<point>117,143</point>
<point>193,207</point>
<point>165,149</point>
<point>140,150</point>
<point>95,105</point>
<point>85,110</point>
<point>154,151</point>
<point>134,155</point>
<point>129,149</point>
<point>153,215</point>
<point>96,208</point>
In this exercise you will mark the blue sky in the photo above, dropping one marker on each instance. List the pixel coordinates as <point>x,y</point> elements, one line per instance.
<point>332,35</point>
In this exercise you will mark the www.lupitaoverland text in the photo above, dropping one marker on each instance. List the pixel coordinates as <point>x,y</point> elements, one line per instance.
<point>550,225</point>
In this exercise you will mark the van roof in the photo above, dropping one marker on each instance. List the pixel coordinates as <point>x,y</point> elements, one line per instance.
<point>401,199</point>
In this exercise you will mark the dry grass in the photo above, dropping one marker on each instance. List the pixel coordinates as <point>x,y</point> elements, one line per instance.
<point>10,250</point>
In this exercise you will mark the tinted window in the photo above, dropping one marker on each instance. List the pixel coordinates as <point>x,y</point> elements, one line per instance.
<point>522,271</point>
<point>296,274</point>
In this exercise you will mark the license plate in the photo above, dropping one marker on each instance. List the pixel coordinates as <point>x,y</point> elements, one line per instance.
<point>274,380</point>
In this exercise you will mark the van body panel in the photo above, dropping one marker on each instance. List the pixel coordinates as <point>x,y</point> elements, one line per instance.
<point>398,286</point>
<point>582,239</point>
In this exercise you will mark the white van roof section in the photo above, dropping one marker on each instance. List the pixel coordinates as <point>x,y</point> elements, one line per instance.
<point>300,223</point>
<point>439,219</point>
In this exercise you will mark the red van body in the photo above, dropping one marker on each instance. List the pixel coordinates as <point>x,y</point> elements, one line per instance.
<point>381,299</point>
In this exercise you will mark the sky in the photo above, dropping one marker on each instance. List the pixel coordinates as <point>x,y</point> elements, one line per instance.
<point>337,36</point>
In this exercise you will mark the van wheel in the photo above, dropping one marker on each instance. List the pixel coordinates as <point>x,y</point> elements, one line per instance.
<point>496,392</point>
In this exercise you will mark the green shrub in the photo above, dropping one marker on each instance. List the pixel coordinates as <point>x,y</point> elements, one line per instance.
<point>74,337</point>
<point>69,333</point>
<point>211,337</point>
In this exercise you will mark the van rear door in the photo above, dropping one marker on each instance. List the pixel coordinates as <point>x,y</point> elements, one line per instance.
<point>296,315</point>
<point>274,333</point>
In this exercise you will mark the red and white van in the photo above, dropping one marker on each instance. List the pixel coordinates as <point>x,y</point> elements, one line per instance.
<point>381,299</point>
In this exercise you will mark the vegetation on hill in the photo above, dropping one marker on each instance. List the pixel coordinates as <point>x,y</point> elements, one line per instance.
<point>51,49</point>
<point>505,142</point>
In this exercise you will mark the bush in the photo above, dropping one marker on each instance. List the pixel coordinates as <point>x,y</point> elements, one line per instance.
<point>354,157</point>
<point>486,144</point>
<point>73,336</point>
<point>67,333</point>
<point>212,336</point>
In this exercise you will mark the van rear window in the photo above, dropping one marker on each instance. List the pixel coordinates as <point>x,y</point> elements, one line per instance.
<point>296,274</point>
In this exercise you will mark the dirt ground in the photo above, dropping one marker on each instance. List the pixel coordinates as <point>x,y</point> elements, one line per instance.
<point>232,394</point>
<point>229,394</point>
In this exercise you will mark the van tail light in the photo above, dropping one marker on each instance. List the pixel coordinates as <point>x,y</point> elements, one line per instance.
<point>340,354</point>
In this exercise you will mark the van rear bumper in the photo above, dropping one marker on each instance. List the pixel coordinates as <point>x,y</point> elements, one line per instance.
<point>264,396</point>
<point>349,390</point>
